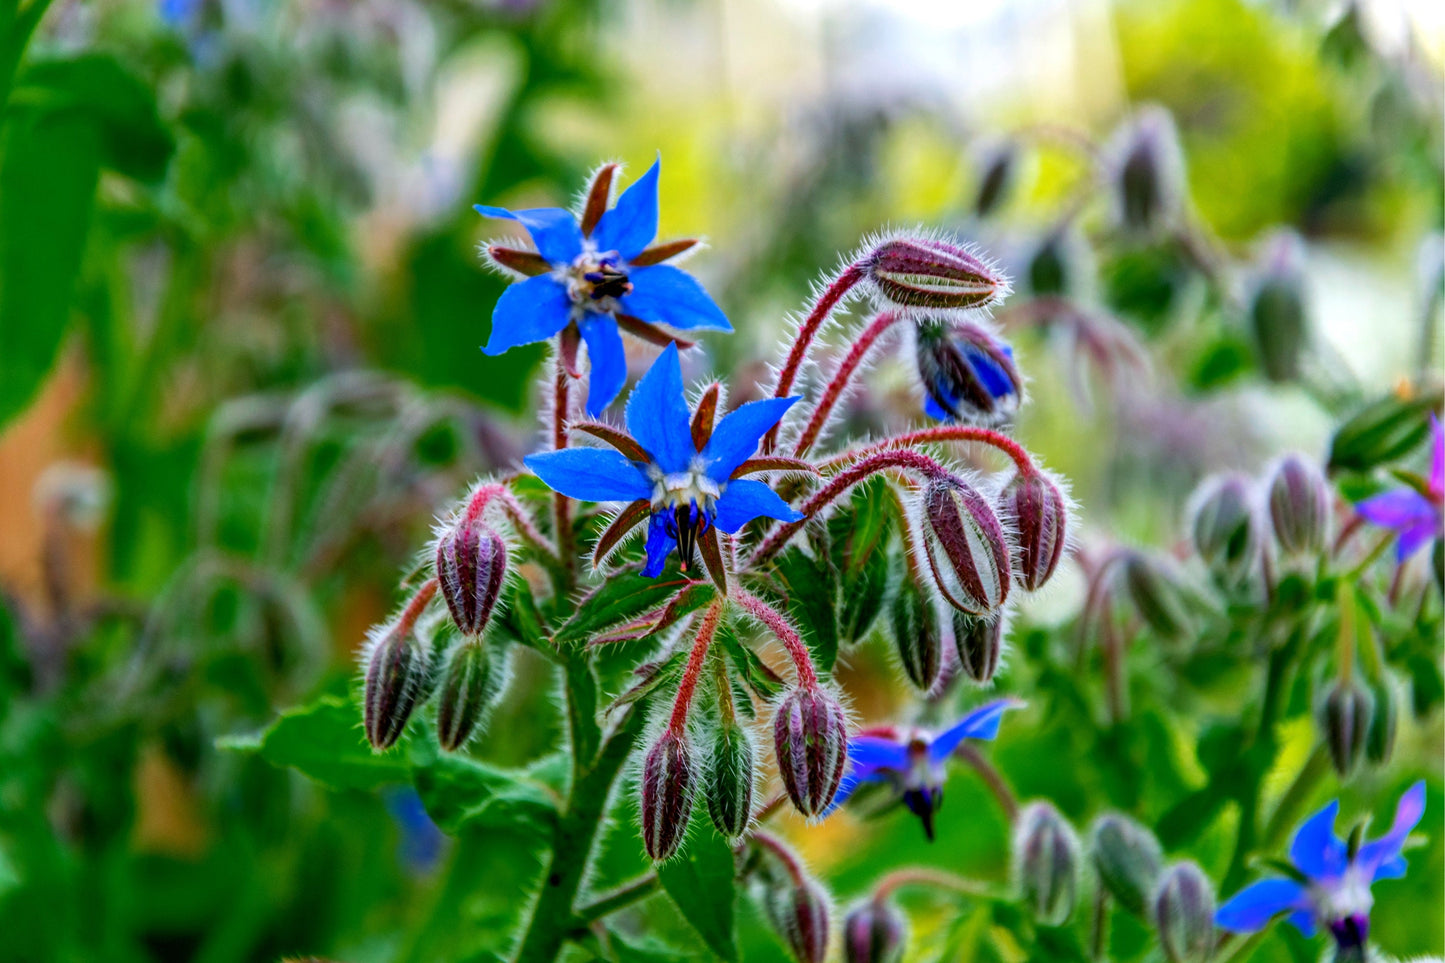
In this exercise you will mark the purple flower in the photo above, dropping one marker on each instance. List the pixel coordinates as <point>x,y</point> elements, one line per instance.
<point>1415,515</point>
<point>912,760</point>
<point>594,274</point>
<point>686,483</point>
<point>1333,879</point>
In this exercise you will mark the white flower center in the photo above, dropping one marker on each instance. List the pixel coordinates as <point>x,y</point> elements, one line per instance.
<point>1341,898</point>
<point>595,280</point>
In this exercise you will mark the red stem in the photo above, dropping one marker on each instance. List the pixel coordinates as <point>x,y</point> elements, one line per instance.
<point>561,505</point>
<point>786,856</point>
<point>833,294</point>
<point>688,685</point>
<point>922,875</point>
<point>923,436</point>
<point>786,634</point>
<point>416,606</point>
<point>842,377</point>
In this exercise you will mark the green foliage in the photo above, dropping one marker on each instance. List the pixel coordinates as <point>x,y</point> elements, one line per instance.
<point>700,881</point>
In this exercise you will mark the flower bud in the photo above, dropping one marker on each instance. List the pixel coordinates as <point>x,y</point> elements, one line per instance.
<point>1000,169</point>
<point>730,780</point>
<point>471,565</point>
<point>1277,317</point>
<point>1225,528</point>
<point>396,682</point>
<point>1158,595</point>
<point>920,272</point>
<point>1299,506</point>
<point>798,910</point>
<point>967,550</point>
<point>1040,517</point>
<point>917,634</point>
<point>1345,718</point>
<point>667,778</point>
<point>1148,178</point>
<point>1184,914</point>
<point>979,640</point>
<point>1053,266</point>
<point>810,738</point>
<point>1046,861</point>
<point>874,931</point>
<point>470,683</point>
<point>968,375</point>
<point>1383,431</point>
<point>1128,860</point>
<point>1380,739</point>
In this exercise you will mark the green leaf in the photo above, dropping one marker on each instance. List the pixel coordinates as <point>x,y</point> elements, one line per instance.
<point>702,882</point>
<point>519,619</point>
<point>324,740</point>
<point>1382,431</point>
<point>464,794</point>
<point>750,666</point>
<point>810,588</point>
<point>621,598</point>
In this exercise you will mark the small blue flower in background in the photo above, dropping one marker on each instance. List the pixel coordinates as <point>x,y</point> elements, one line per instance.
<point>912,761</point>
<point>1333,878</point>
<point>968,375</point>
<point>595,277</point>
<point>1416,515</point>
<point>421,842</point>
<point>685,486</point>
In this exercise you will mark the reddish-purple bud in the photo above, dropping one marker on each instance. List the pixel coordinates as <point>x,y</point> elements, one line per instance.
<point>667,781</point>
<point>396,681</point>
<point>471,566</point>
<point>810,737</point>
<point>469,686</point>
<point>920,272</point>
<point>1040,516</point>
<point>730,780</point>
<point>1184,914</point>
<point>967,549</point>
<point>979,640</point>
<point>874,931</point>
<point>1345,718</point>
<point>1299,506</point>
<point>798,910</point>
<point>917,634</point>
<point>1046,861</point>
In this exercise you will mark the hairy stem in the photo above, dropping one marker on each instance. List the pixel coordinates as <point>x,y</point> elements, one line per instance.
<point>620,898</point>
<point>778,624</point>
<point>695,660</point>
<point>926,876</point>
<point>994,439</point>
<point>992,778</point>
<point>842,378</point>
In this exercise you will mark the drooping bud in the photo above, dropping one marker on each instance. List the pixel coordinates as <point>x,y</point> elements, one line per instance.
<point>1149,175</point>
<point>917,634</point>
<point>920,272</point>
<point>667,780</point>
<point>1128,860</point>
<point>1046,863</point>
<point>471,566</point>
<point>798,910</point>
<point>1158,595</point>
<point>1040,515</point>
<point>1299,506</point>
<point>1277,312</point>
<point>968,375</point>
<point>396,670</point>
<point>730,780</point>
<point>1184,914</point>
<point>810,738</point>
<point>1384,723</point>
<point>1225,527</point>
<point>999,171</point>
<point>967,550</point>
<point>470,684</point>
<point>979,640</point>
<point>1345,718</point>
<point>1053,266</point>
<point>874,931</point>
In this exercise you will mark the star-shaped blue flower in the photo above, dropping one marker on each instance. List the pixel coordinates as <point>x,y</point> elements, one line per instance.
<point>591,274</point>
<point>968,375</point>
<point>912,761</point>
<point>683,477</point>
<point>1332,881</point>
<point>1418,515</point>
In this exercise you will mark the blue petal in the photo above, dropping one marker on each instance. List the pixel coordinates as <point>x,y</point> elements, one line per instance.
<point>868,754</point>
<point>657,414</point>
<point>1316,850</point>
<point>1254,906</point>
<point>933,410</point>
<point>555,231</point>
<point>745,499</point>
<point>981,723</point>
<point>1304,921</point>
<point>609,362</point>
<point>1393,868</point>
<point>735,439</point>
<point>632,223</point>
<point>1377,854</point>
<point>659,545</point>
<point>668,295</point>
<point>528,311</point>
<point>995,380</point>
<point>591,474</point>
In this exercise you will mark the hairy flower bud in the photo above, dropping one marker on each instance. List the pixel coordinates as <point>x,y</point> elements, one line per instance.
<point>1148,177</point>
<point>1040,516</point>
<point>1000,168</point>
<point>730,780</point>
<point>1158,595</point>
<point>1128,860</point>
<point>1225,527</point>
<point>1046,862</point>
<point>917,634</point>
<point>1184,914</point>
<point>471,565</point>
<point>798,910</point>
<point>920,272</point>
<point>810,737</point>
<point>1277,312</point>
<point>1299,506</point>
<point>667,780</point>
<point>1383,431</point>
<point>968,374</point>
<point>967,550</point>
<point>396,681</point>
<point>874,931</point>
<point>1345,718</point>
<point>470,683</point>
<point>979,640</point>
<point>1384,723</point>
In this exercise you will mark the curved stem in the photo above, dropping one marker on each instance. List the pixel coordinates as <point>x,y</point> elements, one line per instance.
<point>926,876</point>
<point>417,605</point>
<point>786,856</point>
<point>695,659</point>
<point>620,898</point>
<point>842,377</point>
<point>1007,801</point>
<point>994,439</point>
<point>778,624</point>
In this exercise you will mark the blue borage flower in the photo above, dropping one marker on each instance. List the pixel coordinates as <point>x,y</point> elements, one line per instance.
<point>1416,513</point>
<point>968,375</point>
<point>1332,878</point>
<point>676,470</point>
<point>912,760</point>
<point>591,275</point>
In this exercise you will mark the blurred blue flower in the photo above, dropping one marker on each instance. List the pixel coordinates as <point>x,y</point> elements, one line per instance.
<point>1417,515</point>
<point>968,375</point>
<point>687,485</point>
<point>421,842</point>
<point>596,279</point>
<point>912,760</point>
<point>1332,879</point>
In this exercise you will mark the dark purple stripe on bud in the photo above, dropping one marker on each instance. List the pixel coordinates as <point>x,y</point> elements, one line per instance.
<point>979,640</point>
<point>667,779</point>
<point>917,634</point>
<point>967,550</point>
<point>1046,863</point>
<point>471,566</point>
<point>396,681</point>
<point>810,738</point>
<point>798,910</point>
<point>730,780</point>
<point>468,688</point>
<point>1184,914</point>
<point>917,272</point>
<point>1035,504</point>
<point>1345,717</point>
<point>874,931</point>
<point>1299,506</point>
